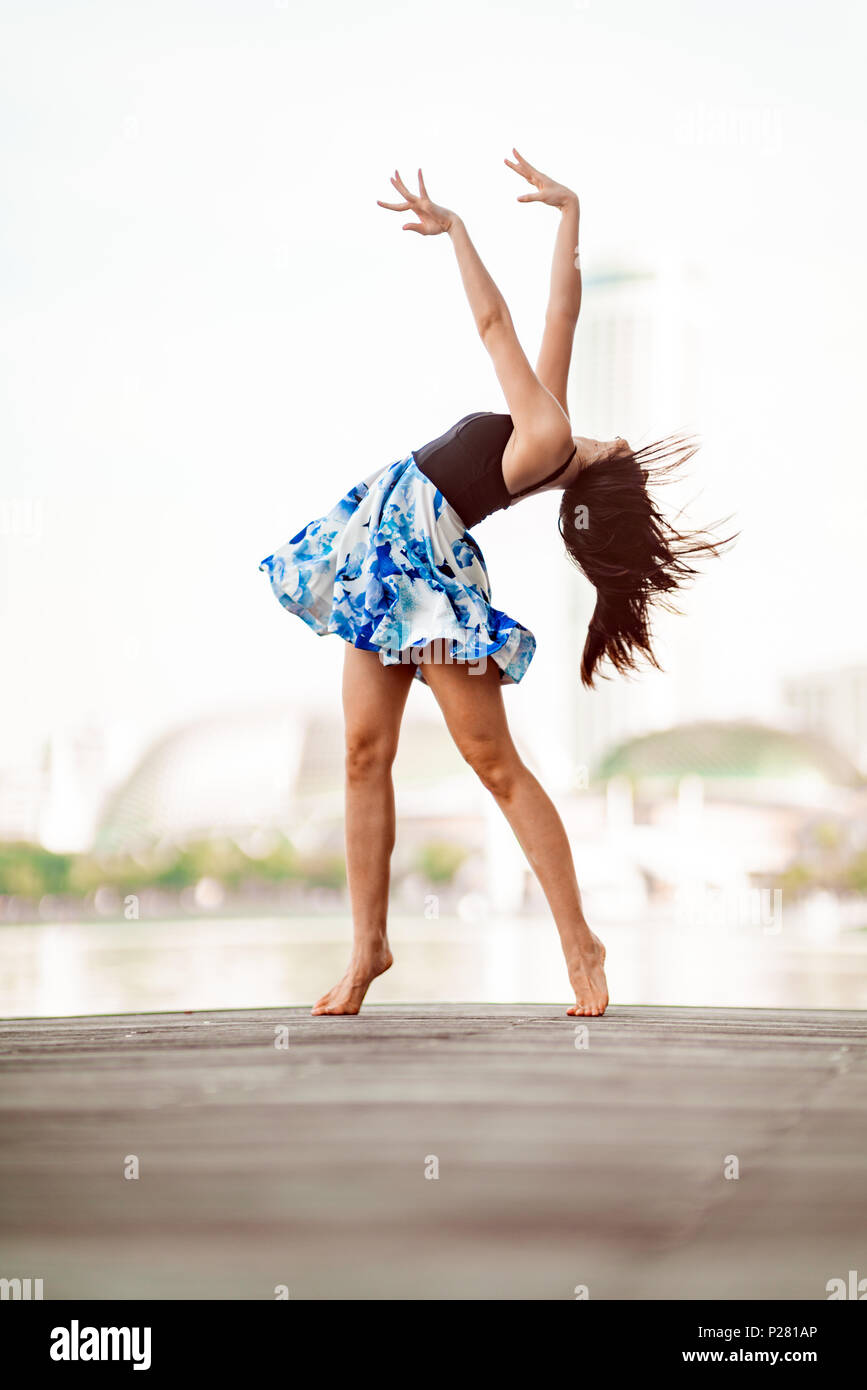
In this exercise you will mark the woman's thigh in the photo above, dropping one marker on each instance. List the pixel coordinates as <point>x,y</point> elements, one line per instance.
<point>374,697</point>
<point>471,700</point>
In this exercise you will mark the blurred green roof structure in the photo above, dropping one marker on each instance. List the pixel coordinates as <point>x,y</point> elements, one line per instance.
<point>729,752</point>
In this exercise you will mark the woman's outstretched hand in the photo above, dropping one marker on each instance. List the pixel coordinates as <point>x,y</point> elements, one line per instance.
<point>432,219</point>
<point>556,195</point>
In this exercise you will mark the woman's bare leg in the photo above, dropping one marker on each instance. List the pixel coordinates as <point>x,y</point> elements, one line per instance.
<point>472,702</point>
<point>374,697</point>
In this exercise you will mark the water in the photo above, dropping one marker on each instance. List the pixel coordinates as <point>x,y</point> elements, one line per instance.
<point>51,969</point>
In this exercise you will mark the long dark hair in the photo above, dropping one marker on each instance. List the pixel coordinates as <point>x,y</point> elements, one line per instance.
<point>619,539</point>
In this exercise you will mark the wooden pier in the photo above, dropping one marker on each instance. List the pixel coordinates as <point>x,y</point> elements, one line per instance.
<point>421,1152</point>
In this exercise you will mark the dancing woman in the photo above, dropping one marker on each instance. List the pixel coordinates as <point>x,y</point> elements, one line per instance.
<point>395,572</point>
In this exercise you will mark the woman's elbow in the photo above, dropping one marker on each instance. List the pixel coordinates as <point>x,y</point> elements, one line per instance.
<point>490,322</point>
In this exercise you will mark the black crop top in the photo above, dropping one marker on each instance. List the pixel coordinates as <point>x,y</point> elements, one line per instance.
<point>466,464</point>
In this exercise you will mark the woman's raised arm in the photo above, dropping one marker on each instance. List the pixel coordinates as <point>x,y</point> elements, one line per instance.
<point>564,299</point>
<point>541,427</point>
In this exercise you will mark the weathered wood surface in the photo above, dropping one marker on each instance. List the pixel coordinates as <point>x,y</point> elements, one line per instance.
<point>558,1166</point>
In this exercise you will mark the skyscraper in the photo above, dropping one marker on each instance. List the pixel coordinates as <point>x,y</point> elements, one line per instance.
<point>832,704</point>
<point>637,372</point>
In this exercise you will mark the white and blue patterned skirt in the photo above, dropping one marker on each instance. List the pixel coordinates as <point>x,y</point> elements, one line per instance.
<point>392,569</point>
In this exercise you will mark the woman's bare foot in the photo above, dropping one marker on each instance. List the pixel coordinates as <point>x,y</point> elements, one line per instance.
<point>587,978</point>
<point>347,996</point>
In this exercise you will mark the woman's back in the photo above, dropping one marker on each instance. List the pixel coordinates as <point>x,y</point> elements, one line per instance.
<point>466,464</point>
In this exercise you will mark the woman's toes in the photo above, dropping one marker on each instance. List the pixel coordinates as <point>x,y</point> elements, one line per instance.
<point>347,996</point>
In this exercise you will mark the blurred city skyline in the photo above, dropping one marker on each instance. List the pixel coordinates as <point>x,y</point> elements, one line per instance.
<point>212,331</point>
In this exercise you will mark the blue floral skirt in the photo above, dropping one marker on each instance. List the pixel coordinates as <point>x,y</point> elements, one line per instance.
<point>392,569</point>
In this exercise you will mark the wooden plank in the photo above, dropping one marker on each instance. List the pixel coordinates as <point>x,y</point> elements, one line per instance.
<point>558,1165</point>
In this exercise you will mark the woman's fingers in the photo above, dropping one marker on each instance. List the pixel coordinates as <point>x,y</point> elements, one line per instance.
<point>522,165</point>
<point>525,164</point>
<point>527,172</point>
<point>402,188</point>
<point>412,199</point>
<point>393,207</point>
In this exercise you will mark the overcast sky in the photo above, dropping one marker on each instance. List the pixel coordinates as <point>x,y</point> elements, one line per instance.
<point>211,331</point>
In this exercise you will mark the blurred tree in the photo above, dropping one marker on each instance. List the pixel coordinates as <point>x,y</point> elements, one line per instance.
<point>29,871</point>
<point>439,860</point>
<point>796,879</point>
<point>323,871</point>
<point>856,874</point>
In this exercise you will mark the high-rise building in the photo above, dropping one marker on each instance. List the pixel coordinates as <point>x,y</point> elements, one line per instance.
<point>22,788</point>
<point>832,704</point>
<point>637,372</point>
<point>80,765</point>
<point>637,366</point>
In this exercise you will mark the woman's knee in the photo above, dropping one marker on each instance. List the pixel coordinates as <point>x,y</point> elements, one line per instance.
<point>494,762</point>
<point>369,753</point>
